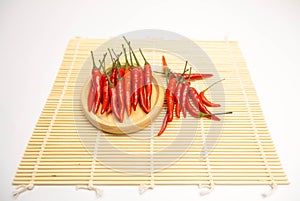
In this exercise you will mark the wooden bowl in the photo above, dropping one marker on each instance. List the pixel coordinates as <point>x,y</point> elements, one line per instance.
<point>135,122</point>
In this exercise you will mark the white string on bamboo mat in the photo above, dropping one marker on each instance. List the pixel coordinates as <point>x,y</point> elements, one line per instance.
<point>22,188</point>
<point>90,186</point>
<point>144,187</point>
<point>273,185</point>
<point>204,190</point>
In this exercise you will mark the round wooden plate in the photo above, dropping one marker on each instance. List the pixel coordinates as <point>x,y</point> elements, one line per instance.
<point>137,120</point>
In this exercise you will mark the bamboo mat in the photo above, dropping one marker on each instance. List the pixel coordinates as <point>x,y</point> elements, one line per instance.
<point>65,149</point>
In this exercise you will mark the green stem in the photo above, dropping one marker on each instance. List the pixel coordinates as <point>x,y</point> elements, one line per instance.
<point>126,60</point>
<point>213,84</point>
<point>214,114</point>
<point>94,65</point>
<point>102,64</point>
<point>117,57</point>
<point>184,70</point>
<point>131,62</point>
<point>190,74</point>
<point>135,58</point>
<point>146,62</point>
<point>119,75</point>
<point>111,57</point>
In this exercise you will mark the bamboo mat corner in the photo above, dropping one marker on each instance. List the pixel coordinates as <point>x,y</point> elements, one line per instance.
<point>243,155</point>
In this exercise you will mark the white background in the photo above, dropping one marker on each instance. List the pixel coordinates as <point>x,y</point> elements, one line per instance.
<point>34,35</point>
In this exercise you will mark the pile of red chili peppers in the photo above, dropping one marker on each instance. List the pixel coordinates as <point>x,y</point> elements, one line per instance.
<point>179,93</point>
<point>122,88</point>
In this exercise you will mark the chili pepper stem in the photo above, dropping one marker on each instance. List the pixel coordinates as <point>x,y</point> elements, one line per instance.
<point>102,64</point>
<point>114,52</point>
<point>190,74</point>
<point>111,57</point>
<point>213,84</point>
<point>94,65</point>
<point>214,114</point>
<point>126,60</point>
<point>135,58</point>
<point>184,70</point>
<point>117,57</point>
<point>130,56</point>
<point>146,62</point>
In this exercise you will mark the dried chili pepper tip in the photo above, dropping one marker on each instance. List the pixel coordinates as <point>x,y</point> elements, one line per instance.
<point>164,124</point>
<point>91,97</point>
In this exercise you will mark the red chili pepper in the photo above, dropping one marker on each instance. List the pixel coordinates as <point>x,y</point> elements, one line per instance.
<point>113,77</point>
<point>127,85</point>
<point>194,76</point>
<point>184,96</point>
<point>91,96</point>
<point>134,83</point>
<point>114,102</point>
<point>170,97</point>
<point>198,114</point>
<point>134,87</point>
<point>178,93</point>
<point>114,72</point>
<point>120,86</point>
<point>205,100</point>
<point>166,69</point>
<point>178,98</point>
<point>134,78</point>
<point>141,90</point>
<point>112,94</point>
<point>122,72</point>
<point>164,124</point>
<point>96,79</point>
<point>193,94</point>
<point>148,81</point>
<point>127,80</point>
<point>108,111</point>
<point>105,95</point>
<point>191,109</point>
<point>121,94</point>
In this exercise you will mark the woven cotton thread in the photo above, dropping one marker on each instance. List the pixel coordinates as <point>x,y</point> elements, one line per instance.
<point>90,186</point>
<point>144,187</point>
